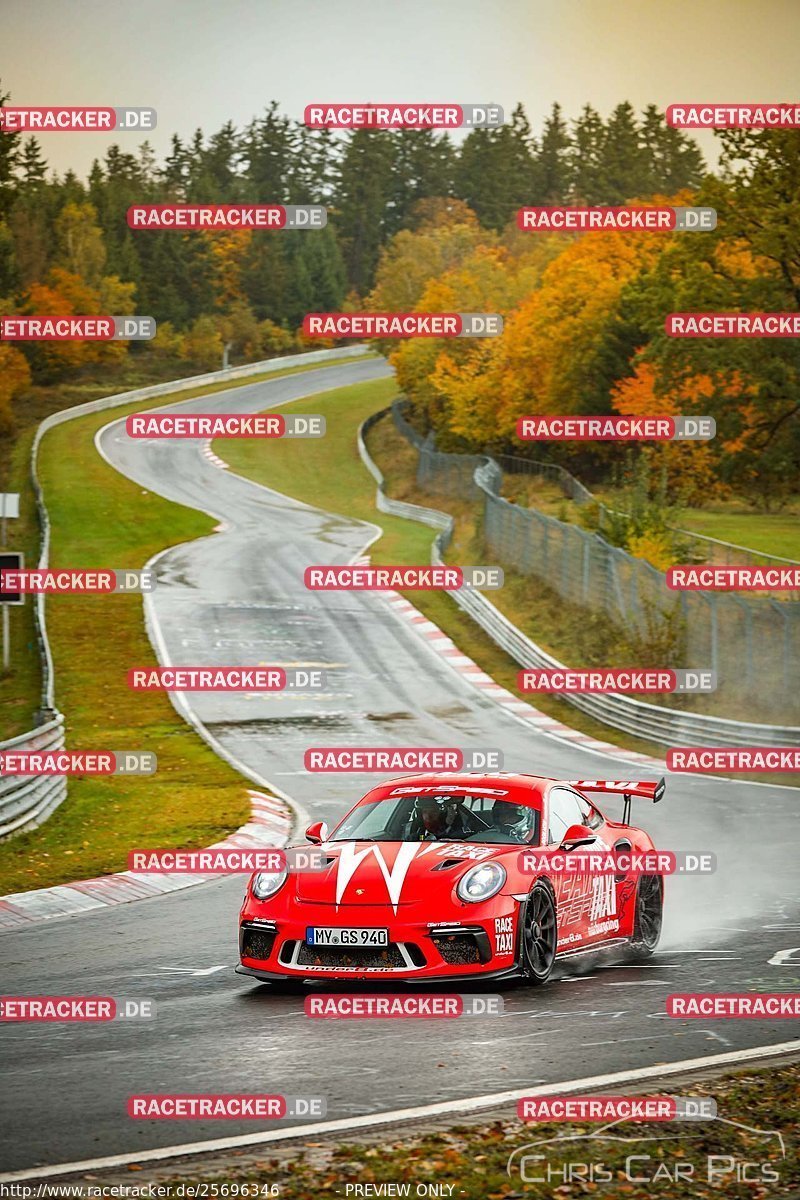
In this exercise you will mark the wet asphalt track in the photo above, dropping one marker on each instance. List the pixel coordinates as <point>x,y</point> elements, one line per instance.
<point>236,597</point>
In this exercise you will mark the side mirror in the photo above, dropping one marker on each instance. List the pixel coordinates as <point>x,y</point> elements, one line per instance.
<point>317,832</point>
<point>577,835</point>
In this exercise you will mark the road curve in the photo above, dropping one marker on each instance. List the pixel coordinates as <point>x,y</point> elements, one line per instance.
<point>236,597</point>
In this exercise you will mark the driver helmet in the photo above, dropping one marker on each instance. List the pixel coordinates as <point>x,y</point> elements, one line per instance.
<point>430,814</point>
<point>510,818</point>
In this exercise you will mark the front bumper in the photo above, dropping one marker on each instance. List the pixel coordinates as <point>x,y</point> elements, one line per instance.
<point>506,973</point>
<point>482,946</point>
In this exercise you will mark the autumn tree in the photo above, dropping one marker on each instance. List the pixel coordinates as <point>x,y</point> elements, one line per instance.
<point>15,376</point>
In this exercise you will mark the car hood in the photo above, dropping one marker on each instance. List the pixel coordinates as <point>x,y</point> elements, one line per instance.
<point>391,873</point>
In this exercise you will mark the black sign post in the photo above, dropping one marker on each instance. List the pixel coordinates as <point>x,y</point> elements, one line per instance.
<point>9,562</point>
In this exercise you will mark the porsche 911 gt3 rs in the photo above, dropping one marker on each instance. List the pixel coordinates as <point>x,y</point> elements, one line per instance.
<point>423,880</point>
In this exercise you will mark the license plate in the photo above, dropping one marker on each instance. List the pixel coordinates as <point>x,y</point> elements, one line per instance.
<point>327,936</point>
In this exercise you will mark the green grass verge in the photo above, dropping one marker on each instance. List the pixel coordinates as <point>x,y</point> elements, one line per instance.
<point>101,519</point>
<point>775,533</point>
<point>689,1161</point>
<point>329,474</point>
<point>21,684</point>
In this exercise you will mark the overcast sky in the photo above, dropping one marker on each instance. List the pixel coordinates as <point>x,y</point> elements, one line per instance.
<point>202,62</point>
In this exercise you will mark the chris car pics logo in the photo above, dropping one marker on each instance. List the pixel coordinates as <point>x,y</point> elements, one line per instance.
<point>662,1160</point>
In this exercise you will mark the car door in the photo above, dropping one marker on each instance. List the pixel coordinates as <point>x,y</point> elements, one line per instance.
<point>587,901</point>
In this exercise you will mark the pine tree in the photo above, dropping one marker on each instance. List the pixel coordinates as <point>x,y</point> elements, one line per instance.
<point>497,171</point>
<point>267,149</point>
<point>423,167</point>
<point>312,170</point>
<point>626,174</point>
<point>32,165</point>
<point>554,160</point>
<point>175,173</point>
<point>219,163</point>
<point>9,153</point>
<point>474,175</point>
<point>363,191</point>
<point>588,145</point>
<point>673,157</point>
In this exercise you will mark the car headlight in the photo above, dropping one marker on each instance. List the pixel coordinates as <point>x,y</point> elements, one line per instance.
<point>481,882</point>
<point>267,883</point>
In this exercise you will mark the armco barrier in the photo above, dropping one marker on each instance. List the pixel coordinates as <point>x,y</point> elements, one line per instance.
<point>668,727</point>
<point>751,642</point>
<point>28,801</point>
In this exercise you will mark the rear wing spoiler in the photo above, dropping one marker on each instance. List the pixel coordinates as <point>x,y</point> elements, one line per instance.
<point>647,790</point>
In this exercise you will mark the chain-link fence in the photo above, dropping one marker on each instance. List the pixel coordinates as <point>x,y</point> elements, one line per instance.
<point>751,641</point>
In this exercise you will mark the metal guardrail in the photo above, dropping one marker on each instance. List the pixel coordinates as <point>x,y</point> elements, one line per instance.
<point>751,641</point>
<point>573,489</point>
<point>27,801</point>
<point>714,549</point>
<point>668,727</point>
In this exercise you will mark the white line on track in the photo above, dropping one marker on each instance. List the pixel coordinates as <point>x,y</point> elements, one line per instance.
<point>371,1120</point>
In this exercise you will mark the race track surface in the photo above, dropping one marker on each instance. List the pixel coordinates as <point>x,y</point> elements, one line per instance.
<point>237,597</point>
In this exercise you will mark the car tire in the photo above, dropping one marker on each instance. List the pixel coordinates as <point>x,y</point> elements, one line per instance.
<point>648,915</point>
<point>538,934</point>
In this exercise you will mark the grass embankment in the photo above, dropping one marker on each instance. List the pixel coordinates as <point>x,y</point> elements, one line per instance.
<point>689,1161</point>
<point>776,533</point>
<point>329,474</point>
<point>101,519</point>
<point>20,686</point>
<point>574,635</point>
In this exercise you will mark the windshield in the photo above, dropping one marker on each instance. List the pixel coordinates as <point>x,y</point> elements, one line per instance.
<point>441,817</point>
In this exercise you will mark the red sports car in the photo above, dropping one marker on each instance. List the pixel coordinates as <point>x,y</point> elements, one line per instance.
<point>422,880</point>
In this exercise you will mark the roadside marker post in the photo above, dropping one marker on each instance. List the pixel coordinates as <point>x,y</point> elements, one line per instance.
<point>9,562</point>
<point>9,507</point>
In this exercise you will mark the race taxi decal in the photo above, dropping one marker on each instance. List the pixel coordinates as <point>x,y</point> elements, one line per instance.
<point>504,935</point>
<point>604,897</point>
